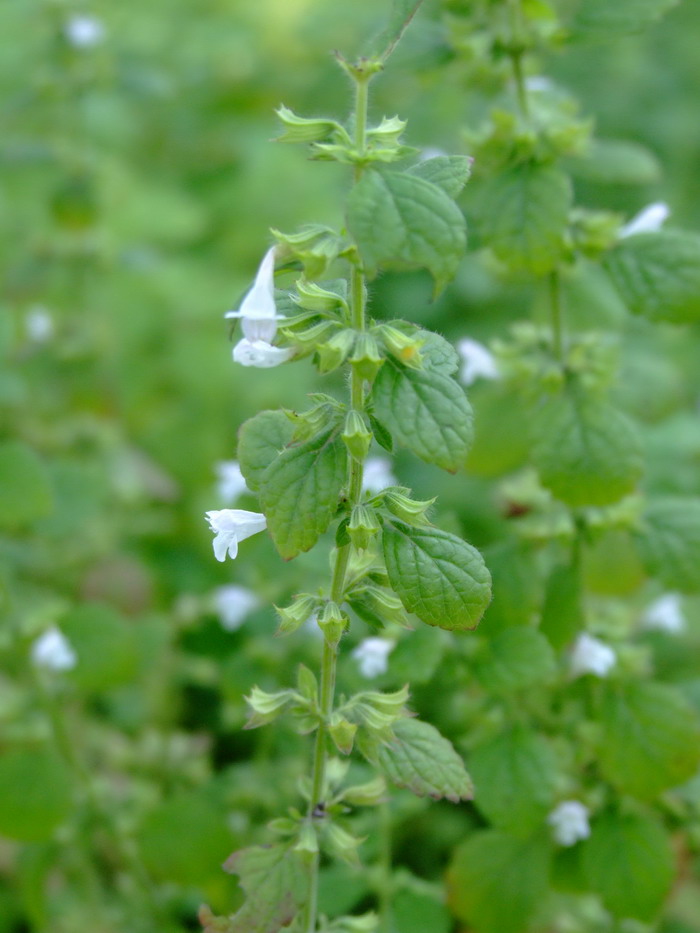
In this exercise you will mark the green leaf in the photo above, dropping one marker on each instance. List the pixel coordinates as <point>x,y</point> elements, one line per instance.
<point>260,440</point>
<point>617,162</point>
<point>402,221</point>
<point>25,487</point>
<point>451,173</point>
<point>628,861</point>
<point>497,883</point>
<point>514,659</point>
<point>105,645</point>
<point>35,794</point>
<point>439,577</point>
<point>423,761</point>
<point>501,441</point>
<point>419,912</point>
<point>402,12</point>
<point>437,353</point>
<point>516,587</point>
<point>669,542</point>
<point>185,840</point>
<point>623,17</point>
<point>514,778</point>
<point>274,883</point>
<point>650,738</point>
<point>426,412</point>
<point>300,489</point>
<point>562,612</point>
<point>658,275</point>
<point>524,212</point>
<point>586,452</point>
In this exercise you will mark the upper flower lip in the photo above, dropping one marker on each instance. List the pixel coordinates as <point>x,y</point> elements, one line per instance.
<point>231,526</point>
<point>258,311</point>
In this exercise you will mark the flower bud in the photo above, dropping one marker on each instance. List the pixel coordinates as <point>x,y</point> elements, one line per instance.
<point>366,358</point>
<point>295,615</point>
<point>332,622</point>
<point>356,435</point>
<point>366,795</point>
<point>404,348</point>
<point>385,604</point>
<point>303,129</point>
<point>313,297</point>
<point>388,132</point>
<point>411,511</point>
<point>343,733</point>
<point>266,706</point>
<point>322,416</point>
<point>335,351</point>
<point>315,246</point>
<point>307,844</point>
<point>363,526</point>
<point>341,844</point>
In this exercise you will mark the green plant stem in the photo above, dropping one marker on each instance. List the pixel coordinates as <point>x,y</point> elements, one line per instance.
<point>342,559</point>
<point>386,891</point>
<point>516,56</point>
<point>556,315</point>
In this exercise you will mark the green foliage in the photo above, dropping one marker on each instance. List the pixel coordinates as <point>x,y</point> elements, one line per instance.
<point>562,611</point>
<point>261,440</point>
<point>426,411</point>
<point>36,793</point>
<point>608,20</point>
<point>402,220</point>
<point>25,486</point>
<point>629,862</point>
<point>514,659</point>
<point>669,542</point>
<point>105,646</point>
<point>658,275</point>
<point>439,577</point>
<point>451,173</point>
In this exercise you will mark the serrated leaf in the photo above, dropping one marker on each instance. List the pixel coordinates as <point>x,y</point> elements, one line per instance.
<point>25,486</point>
<point>669,542</point>
<point>437,575</point>
<point>400,16</point>
<point>424,761</point>
<point>426,411</point>
<point>524,212</point>
<point>451,173</point>
<point>628,861</point>
<point>658,275</point>
<point>623,17</point>
<point>496,883</point>
<point>562,611</point>
<point>300,489</point>
<point>586,451</point>
<point>400,220</point>
<point>275,884</point>
<point>514,659</point>
<point>260,440</point>
<point>514,778</point>
<point>437,353</point>
<point>650,738</point>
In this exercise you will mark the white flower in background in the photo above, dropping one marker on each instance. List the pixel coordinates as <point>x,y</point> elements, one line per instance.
<point>649,220</point>
<point>53,651</point>
<point>589,655</point>
<point>377,475</point>
<point>372,656</point>
<point>569,820</point>
<point>259,318</point>
<point>230,527</point>
<point>229,481</point>
<point>665,614</point>
<point>312,627</point>
<point>83,31</point>
<point>538,83</point>
<point>39,324</point>
<point>233,603</point>
<point>477,361</point>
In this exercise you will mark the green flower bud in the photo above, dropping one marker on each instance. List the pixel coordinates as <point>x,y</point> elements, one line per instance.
<point>315,246</point>
<point>303,129</point>
<point>343,733</point>
<point>332,622</point>
<point>385,604</point>
<point>340,843</point>
<point>366,358</point>
<point>366,795</point>
<point>295,615</point>
<point>411,511</point>
<point>307,844</point>
<point>335,351</point>
<point>404,348</point>
<point>267,706</point>
<point>307,684</point>
<point>356,435</point>
<point>313,297</point>
<point>308,340</point>
<point>363,526</point>
<point>388,132</point>
<point>325,414</point>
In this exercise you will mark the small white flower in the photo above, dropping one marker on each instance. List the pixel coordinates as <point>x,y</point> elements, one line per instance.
<point>84,31</point>
<point>230,527</point>
<point>261,354</point>
<point>648,220</point>
<point>53,651</point>
<point>477,361</point>
<point>538,83</point>
<point>233,603</point>
<point>569,820</point>
<point>38,324</point>
<point>665,614</point>
<point>377,475</point>
<point>230,482</point>
<point>589,655</point>
<point>372,656</point>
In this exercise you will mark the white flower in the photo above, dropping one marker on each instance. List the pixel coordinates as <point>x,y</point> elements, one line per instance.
<point>230,483</point>
<point>377,475</point>
<point>477,361</point>
<point>231,526</point>
<point>233,603</point>
<point>53,651</point>
<point>538,83</point>
<point>589,655</point>
<point>260,353</point>
<point>38,324</point>
<point>649,220</point>
<point>569,820</point>
<point>84,31</point>
<point>372,655</point>
<point>665,614</point>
